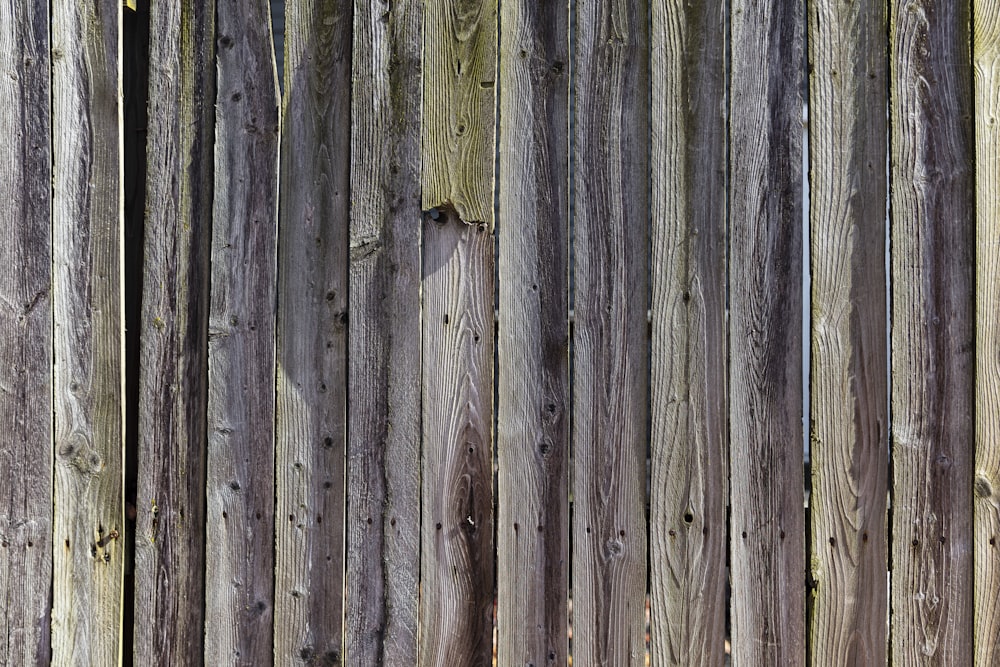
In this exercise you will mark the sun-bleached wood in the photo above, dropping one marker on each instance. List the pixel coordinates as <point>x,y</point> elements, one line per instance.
<point>25,335</point>
<point>689,457</point>
<point>533,335</point>
<point>383,472</point>
<point>239,540</point>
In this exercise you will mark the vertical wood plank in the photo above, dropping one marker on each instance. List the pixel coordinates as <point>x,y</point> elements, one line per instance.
<point>765,333</point>
<point>986,553</point>
<point>312,333</point>
<point>88,554</point>
<point>457,158</point>
<point>383,473</point>
<point>533,335</point>
<point>689,456</point>
<point>25,335</point>
<point>170,493</point>
<point>932,332</point>
<point>241,346</point>
<point>849,392</point>
<point>611,365</point>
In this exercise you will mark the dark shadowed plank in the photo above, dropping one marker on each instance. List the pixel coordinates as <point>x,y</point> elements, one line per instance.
<point>932,332</point>
<point>689,458</point>
<point>25,336</point>
<point>312,333</point>
<point>611,366</point>
<point>88,553</point>
<point>239,541</point>
<point>533,335</point>
<point>170,495</point>
<point>849,391</point>
<point>765,333</point>
<point>383,470</point>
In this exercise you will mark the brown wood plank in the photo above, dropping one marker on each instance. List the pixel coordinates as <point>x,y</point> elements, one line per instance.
<point>170,493</point>
<point>383,474</point>
<point>932,332</point>
<point>239,541</point>
<point>610,366</point>
<point>986,553</point>
<point>765,334</point>
<point>312,333</point>
<point>849,389</point>
<point>533,335</point>
<point>88,553</point>
<point>26,336</point>
<point>689,452</point>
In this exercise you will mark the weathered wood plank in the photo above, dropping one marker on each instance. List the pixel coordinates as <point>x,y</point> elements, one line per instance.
<point>986,551</point>
<point>765,344</point>
<point>611,365</point>
<point>88,554</point>
<point>170,493</point>
<point>241,346</point>
<point>25,335</point>
<point>689,455</point>
<point>533,335</point>
<point>312,333</point>
<point>849,390</point>
<point>932,332</point>
<point>383,471</point>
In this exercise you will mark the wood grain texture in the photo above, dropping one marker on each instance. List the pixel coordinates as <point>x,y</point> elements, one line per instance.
<point>689,454</point>
<point>611,365</point>
<point>312,334</point>
<point>533,335</point>
<point>25,335</point>
<point>457,567</point>
<point>932,332</point>
<point>765,334</point>
<point>173,394</point>
<point>986,546</point>
<point>458,118</point>
<point>383,471</point>
<point>849,392</point>
<point>87,236</point>
<point>239,541</point>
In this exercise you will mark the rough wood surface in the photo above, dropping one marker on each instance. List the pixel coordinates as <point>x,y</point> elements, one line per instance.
<point>611,366</point>
<point>689,456</point>
<point>533,336</point>
<point>458,120</point>
<point>25,335</point>
<point>765,334</point>
<point>170,494</point>
<point>849,391</point>
<point>932,332</point>
<point>986,552</point>
<point>88,553</point>
<point>239,541</point>
<point>383,472</point>
<point>312,334</point>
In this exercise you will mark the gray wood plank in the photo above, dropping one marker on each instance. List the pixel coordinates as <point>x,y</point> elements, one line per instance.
<point>88,553</point>
<point>383,472</point>
<point>26,336</point>
<point>689,450</point>
<point>765,334</point>
<point>312,333</point>
<point>849,384</point>
<point>533,335</point>
<point>239,541</point>
<point>610,362</point>
<point>173,394</point>
<point>933,228</point>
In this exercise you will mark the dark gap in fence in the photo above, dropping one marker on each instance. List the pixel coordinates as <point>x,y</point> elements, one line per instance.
<point>135,74</point>
<point>806,329</point>
<point>278,35</point>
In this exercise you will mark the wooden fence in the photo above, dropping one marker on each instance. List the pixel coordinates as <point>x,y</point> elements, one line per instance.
<point>485,331</point>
